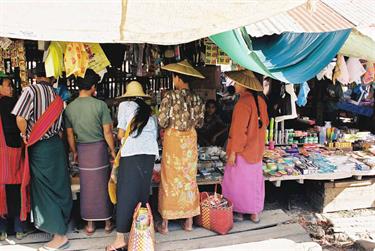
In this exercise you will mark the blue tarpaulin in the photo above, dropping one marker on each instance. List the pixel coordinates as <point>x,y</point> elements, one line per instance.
<point>289,57</point>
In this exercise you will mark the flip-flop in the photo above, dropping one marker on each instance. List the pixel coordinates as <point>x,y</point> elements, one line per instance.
<point>160,229</point>
<point>63,246</point>
<point>89,233</point>
<point>111,248</point>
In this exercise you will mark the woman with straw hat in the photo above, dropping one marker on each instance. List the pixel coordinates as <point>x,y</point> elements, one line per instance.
<point>137,158</point>
<point>243,182</point>
<point>181,111</point>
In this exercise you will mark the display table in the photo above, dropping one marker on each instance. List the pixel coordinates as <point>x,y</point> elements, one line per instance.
<point>346,165</point>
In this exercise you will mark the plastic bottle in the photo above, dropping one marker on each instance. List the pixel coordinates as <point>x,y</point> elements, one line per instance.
<point>322,135</point>
<point>327,127</point>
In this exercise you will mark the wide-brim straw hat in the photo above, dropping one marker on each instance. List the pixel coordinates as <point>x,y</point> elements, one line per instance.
<point>245,78</point>
<point>134,89</point>
<point>183,67</point>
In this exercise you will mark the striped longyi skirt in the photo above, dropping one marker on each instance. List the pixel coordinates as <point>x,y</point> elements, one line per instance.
<point>94,171</point>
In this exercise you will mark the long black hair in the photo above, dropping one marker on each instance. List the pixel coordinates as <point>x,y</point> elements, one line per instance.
<point>255,95</point>
<point>141,117</point>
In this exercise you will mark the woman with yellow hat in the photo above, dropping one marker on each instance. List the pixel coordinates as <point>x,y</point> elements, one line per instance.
<point>243,182</point>
<point>181,111</point>
<point>138,155</point>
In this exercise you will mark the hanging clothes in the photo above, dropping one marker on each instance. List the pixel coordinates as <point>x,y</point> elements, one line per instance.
<point>370,73</point>
<point>327,72</point>
<point>76,59</point>
<point>54,62</point>
<point>341,71</point>
<point>355,69</point>
<point>289,89</point>
<point>302,95</point>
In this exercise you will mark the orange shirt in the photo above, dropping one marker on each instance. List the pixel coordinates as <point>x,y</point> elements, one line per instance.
<point>245,137</point>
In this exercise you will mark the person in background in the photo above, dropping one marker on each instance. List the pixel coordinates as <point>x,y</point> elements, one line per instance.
<point>137,158</point>
<point>89,132</point>
<point>214,130</point>
<point>51,196</point>
<point>11,170</point>
<point>332,95</point>
<point>228,101</point>
<point>181,111</point>
<point>243,181</point>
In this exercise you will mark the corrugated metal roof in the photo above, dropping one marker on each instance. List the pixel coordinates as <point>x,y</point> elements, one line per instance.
<point>358,12</point>
<point>300,19</point>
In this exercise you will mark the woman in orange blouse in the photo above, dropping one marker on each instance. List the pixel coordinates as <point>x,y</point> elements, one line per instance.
<point>243,182</point>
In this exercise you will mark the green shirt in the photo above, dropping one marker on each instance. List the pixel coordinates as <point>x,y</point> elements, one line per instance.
<point>87,115</point>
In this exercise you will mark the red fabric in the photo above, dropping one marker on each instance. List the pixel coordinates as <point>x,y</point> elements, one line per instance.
<point>40,128</point>
<point>10,168</point>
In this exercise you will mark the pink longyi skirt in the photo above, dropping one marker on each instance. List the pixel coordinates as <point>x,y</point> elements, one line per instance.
<point>243,184</point>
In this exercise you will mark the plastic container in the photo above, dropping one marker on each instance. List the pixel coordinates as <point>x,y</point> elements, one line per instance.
<point>322,135</point>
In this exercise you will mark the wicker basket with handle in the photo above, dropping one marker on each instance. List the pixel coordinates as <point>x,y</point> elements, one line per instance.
<point>215,217</point>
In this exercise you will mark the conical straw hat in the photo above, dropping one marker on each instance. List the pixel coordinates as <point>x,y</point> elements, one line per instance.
<point>245,78</point>
<point>134,89</point>
<point>183,67</point>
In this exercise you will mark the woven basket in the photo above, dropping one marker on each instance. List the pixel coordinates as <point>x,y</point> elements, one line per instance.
<point>219,219</point>
<point>142,240</point>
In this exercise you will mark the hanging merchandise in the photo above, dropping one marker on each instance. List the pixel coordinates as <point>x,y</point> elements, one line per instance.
<point>15,55</point>
<point>292,110</point>
<point>341,71</point>
<point>214,55</point>
<point>223,58</point>
<point>211,53</point>
<point>54,62</point>
<point>98,61</point>
<point>5,43</point>
<point>177,52</point>
<point>369,76</point>
<point>302,95</point>
<point>355,69</point>
<point>156,59</point>
<point>327,72</point>
<point>76,59</point>
<point>141,48</point>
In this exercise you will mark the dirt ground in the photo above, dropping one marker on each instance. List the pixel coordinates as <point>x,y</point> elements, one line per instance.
<point>292,199</point>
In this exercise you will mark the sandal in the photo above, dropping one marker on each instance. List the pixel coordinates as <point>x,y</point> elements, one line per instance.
<point>89,232</point>
<point>161,230</point>
<point>112,248</point>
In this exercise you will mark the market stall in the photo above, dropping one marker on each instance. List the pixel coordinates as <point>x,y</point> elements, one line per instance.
<point>315,153</point>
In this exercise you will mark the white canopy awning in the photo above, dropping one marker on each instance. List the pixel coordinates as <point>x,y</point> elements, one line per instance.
<point>131,21</point>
